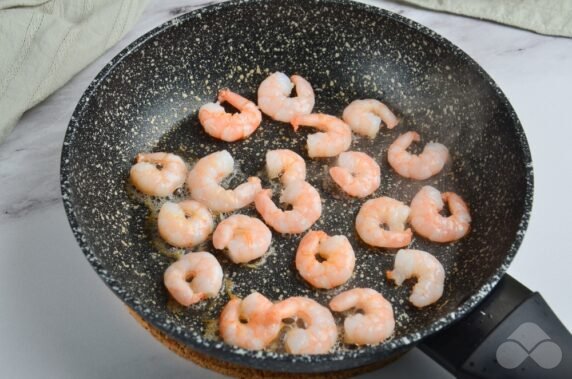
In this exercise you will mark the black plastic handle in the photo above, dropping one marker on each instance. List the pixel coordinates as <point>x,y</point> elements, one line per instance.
<point>512,333</point>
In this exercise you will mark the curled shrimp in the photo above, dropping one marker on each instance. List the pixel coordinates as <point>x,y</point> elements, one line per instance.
<point>334,137</point>
<point>320,333</point>
<point>338,259</point>
<point>365,117</point>
<point>428,271</point>
<point>356,173</point>
<point>249,323</point>
<point>427,221</point>
<point>373,326</point>
<point>185,224</point>
<point>287,164</point>
<point>306,207</point>
<point>430,162</point>
<point>245,238</point>
<point>384,211</point>
<point>274,96</point>
<point>158,174</point>
<point>230,127</point>
<point>206,275</point>
<point>204,184</point>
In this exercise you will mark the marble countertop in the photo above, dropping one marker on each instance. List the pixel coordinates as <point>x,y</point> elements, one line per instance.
<point>57,318</point>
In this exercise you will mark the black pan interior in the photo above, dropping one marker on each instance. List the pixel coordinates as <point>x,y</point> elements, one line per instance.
<point>147,99</point>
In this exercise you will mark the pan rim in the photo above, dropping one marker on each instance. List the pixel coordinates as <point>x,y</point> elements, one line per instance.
<point>285,362</point>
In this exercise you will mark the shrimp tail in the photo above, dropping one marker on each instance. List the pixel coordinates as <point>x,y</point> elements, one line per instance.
<point>391,125</point>
<point>253,180</point>
<point>389,274</point>
<point>295,123</point>
<point>222,93</point>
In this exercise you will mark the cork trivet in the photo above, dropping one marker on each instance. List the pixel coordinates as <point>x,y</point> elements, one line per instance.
<point>237,371</point>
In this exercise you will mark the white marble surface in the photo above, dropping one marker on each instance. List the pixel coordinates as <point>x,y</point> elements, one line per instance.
<point>58,320</point>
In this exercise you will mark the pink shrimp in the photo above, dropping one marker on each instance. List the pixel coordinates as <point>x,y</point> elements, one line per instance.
<point>245,238</point>
<point>375,324</point>
<point>428,271</point>
<point>430,162</point>
<point>320,332</point>
<point>334,137</point>
<point>205,272</point>
<point>427,221</point>
<point>306,203</point>
<point>338,259</point>
<point>249,323</point>
<point>185,224</point>
<point>356,173</point>
<point>274,96</point>
<point>158,174</point>
<point>204,184</point>
<point>287,164</point>
<point>384,211</point>
<point>365,117</point>
<point>230,127</point>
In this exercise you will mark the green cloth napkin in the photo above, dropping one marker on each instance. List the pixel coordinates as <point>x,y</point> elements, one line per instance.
<point>43,43</point>
<point>553,17</point>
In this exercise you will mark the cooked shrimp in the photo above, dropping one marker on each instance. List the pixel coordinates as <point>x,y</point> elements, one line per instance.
<point>338,259</point>
<point>158,174</point>
<point>245,238</point>
<point>185,224</point>
<point>206,275</point>
<point>320,333</point>
<point>427,221</point>
<point>428,271</point>
<point>356,173</point>
<point>204,184</point>
<point>286,163</point>
<point>230,127</point>
<point>306,207</point>
<point>384,211</point>
<point>373,326</point>
<point>335,135</point>
<point>430,162</point>
<point>365,117</point>
<point>274,96</point>
<point>249,323</point>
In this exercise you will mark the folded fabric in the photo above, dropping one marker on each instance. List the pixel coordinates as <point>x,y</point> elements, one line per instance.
<point>43,43</point>
<point>552,17</point>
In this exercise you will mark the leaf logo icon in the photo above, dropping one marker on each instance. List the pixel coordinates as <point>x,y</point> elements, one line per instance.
<point>528,340</point>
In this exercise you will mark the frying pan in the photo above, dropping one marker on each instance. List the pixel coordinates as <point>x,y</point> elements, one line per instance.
<point>147,98</point>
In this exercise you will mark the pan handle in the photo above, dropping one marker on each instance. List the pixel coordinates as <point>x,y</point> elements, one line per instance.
<point>512,333</point>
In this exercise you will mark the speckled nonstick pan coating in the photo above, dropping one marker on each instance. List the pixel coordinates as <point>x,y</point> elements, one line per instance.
<point>147,98</point>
